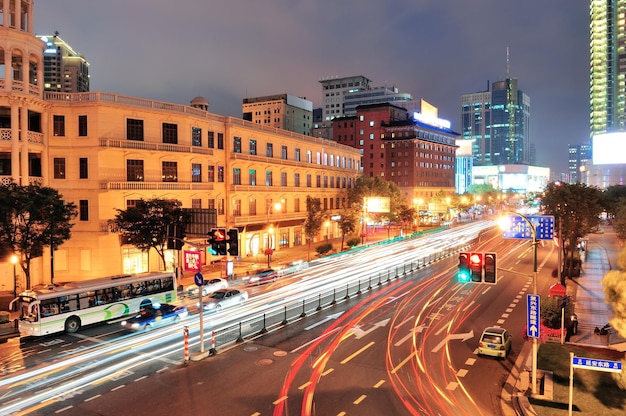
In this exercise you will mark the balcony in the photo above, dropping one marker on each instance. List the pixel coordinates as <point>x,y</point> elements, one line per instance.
<point>156,186</point>
<point>153,147</point>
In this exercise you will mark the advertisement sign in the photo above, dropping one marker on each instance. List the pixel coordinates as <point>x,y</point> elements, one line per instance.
<point>377,204</point>
<point>192,260</point>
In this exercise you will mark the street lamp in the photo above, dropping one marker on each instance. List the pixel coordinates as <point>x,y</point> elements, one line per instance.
<point>277,206</point>
<point>535,339</point>
<point>327,223</point>
<point>14,260</point>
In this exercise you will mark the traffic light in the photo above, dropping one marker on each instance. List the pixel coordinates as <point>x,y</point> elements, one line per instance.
<point>490,268</point>
<point>463,275</point>
<point>217,240</point>
<point>476,267</point>
<point>233,242</point>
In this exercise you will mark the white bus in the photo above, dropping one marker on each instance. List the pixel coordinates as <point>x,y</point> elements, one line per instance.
<point>69,306</point>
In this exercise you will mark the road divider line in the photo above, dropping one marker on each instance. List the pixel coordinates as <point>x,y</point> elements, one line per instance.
<point>350,357</point>
<point>360,399</point>
<point>396,368</point>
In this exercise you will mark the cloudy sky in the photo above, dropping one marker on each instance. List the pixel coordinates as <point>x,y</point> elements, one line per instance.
<point>225,50</point>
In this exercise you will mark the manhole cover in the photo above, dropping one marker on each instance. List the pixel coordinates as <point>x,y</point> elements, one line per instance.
<point>250,348</point>
<point>265,361</point>
<point>280,353</point>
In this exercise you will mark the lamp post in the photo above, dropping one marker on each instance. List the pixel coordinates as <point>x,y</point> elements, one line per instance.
<point>277,206</point>
<point>535,339</point>
<point>14,260</point>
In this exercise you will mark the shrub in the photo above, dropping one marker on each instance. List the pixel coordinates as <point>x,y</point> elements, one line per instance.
<point>323,248</point>
<point>353,242</point>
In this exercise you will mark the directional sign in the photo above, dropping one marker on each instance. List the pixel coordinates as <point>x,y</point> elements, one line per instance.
<point>598,365</point>
<point>520,228</point>
<point>198,279</point>
<point>532,318</point>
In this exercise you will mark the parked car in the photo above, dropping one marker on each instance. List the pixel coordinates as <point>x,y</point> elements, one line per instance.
<point>225,298</point>
<point>158,314</point>
<point>495,341</point>
<point>265,276</point>
<point>210,286</point>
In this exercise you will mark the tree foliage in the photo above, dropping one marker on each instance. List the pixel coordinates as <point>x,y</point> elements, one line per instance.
<point>619,223</point>
<point>33,217</point>
<point>313,221</point>
<point>613,198</point>
<point>614,284</point>
<point>145,225</point>
<point>348,222</point>
<point>577,207</point>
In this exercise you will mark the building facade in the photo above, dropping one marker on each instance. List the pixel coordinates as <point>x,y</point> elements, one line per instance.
<point>498,122</point>
<point>64,69</point>
<point>282,111</point>
<point>104,152</point>
<point>417,156</point>
<point>579,156</point>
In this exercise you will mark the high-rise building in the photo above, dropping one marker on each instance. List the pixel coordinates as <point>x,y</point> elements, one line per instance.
<point>282,111</point>
<point>64,69</point>
<point>334,91</point>
<point>607,95</point>
<point>579,156</point>
<point>498,122</point>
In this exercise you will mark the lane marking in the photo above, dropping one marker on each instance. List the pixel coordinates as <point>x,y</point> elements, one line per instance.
<point>345,360</point>
<point>360,399</point>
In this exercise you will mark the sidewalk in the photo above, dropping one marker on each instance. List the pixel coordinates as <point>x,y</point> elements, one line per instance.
<point>587,295</point>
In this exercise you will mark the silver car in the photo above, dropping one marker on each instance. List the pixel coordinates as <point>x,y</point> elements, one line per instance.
<point>210,286</point>
<point>225,298</point>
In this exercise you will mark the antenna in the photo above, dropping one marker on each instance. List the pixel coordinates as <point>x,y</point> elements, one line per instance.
<point>508,67</point>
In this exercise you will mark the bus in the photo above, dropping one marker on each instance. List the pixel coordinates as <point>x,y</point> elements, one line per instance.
<point>47,309</point>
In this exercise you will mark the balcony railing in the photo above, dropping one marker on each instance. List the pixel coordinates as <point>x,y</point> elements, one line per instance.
<point>156,186</point>
<point>151,146</point>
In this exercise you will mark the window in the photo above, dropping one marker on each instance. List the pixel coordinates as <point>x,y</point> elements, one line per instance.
<point>83,168</point>
<point>296,205</point>
<point>296,180</point>
<point>221,206</point>
<point>283,178</point>
<point>237,208</point>
<point>220,173</point>
<point>318,181</point>
<point>82,126</point>
<point>269,151</point>
<point>220,140</point>
<point>308,180</point>
<point>134,170</point>
<point>134,129</point>
<point>169,171</point>
<point>170,133</point>
<point>283,152</point>
<point>211,140</point>
<point>196,172</point>
<point>211,173</point>
<point>252,177</point>
<point>196,136</point>
<point>59,125</point>
<point>252,147</point>
<point>196,203</point>
<point>252,206</point>
<point>59,168</point>
<point>83,209</point>
<point>297,155</point>
<point>268,178</point>
<point>237,144</point>
<point>236,176</point>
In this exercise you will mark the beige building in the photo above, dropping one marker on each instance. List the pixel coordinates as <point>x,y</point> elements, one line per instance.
<point>282,111</point>
<point>105,151</point>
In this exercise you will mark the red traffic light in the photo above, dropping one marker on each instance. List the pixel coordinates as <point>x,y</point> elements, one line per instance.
<point>476,259</point>
<point>219,234</point>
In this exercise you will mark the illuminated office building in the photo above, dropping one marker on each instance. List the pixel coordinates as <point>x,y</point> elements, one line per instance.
<point>65,70</point>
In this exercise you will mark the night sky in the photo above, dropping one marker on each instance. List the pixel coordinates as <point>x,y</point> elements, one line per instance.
<point>433,49</point>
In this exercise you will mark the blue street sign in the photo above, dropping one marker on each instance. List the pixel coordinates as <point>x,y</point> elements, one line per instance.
<point>533,329</point>
<point>598,365</point>
<point>544,227</point>
<point>198,279</point>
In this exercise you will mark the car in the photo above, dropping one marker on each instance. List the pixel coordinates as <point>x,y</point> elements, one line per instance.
<point>265,276</point>
<point>210,286</point>
<point>224,298</point>
<point>495,341</point>
<point>157,314</point>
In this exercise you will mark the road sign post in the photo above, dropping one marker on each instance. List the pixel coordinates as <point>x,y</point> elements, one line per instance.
<point>199,281</point>
<point>588,364</point>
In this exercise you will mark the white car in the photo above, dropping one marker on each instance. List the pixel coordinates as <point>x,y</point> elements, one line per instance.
<point>225,298</point>
<point>210,286</point>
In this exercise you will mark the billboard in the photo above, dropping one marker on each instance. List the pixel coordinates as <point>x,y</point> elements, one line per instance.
<point>609,149</point>
<point>377,204</point>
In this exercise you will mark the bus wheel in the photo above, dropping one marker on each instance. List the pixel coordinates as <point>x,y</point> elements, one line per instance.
<point>72,324</point>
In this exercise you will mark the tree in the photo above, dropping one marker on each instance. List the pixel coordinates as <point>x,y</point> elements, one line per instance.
<point>145,225</point>
<point>313,221</point>
<point>614,283</point>
<point>367,187</point>
<point>613,199</point>
<point>31,218</point>
<point>407,216</point>
<point>619,224</point>
<point>577,208</point>
<point>348,222</point>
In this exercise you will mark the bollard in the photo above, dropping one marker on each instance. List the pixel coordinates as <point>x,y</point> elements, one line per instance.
<point>212,351</point>
<point>186,337</point>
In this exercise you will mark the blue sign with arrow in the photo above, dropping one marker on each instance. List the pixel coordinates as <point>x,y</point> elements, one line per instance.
<point>533,329</point>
